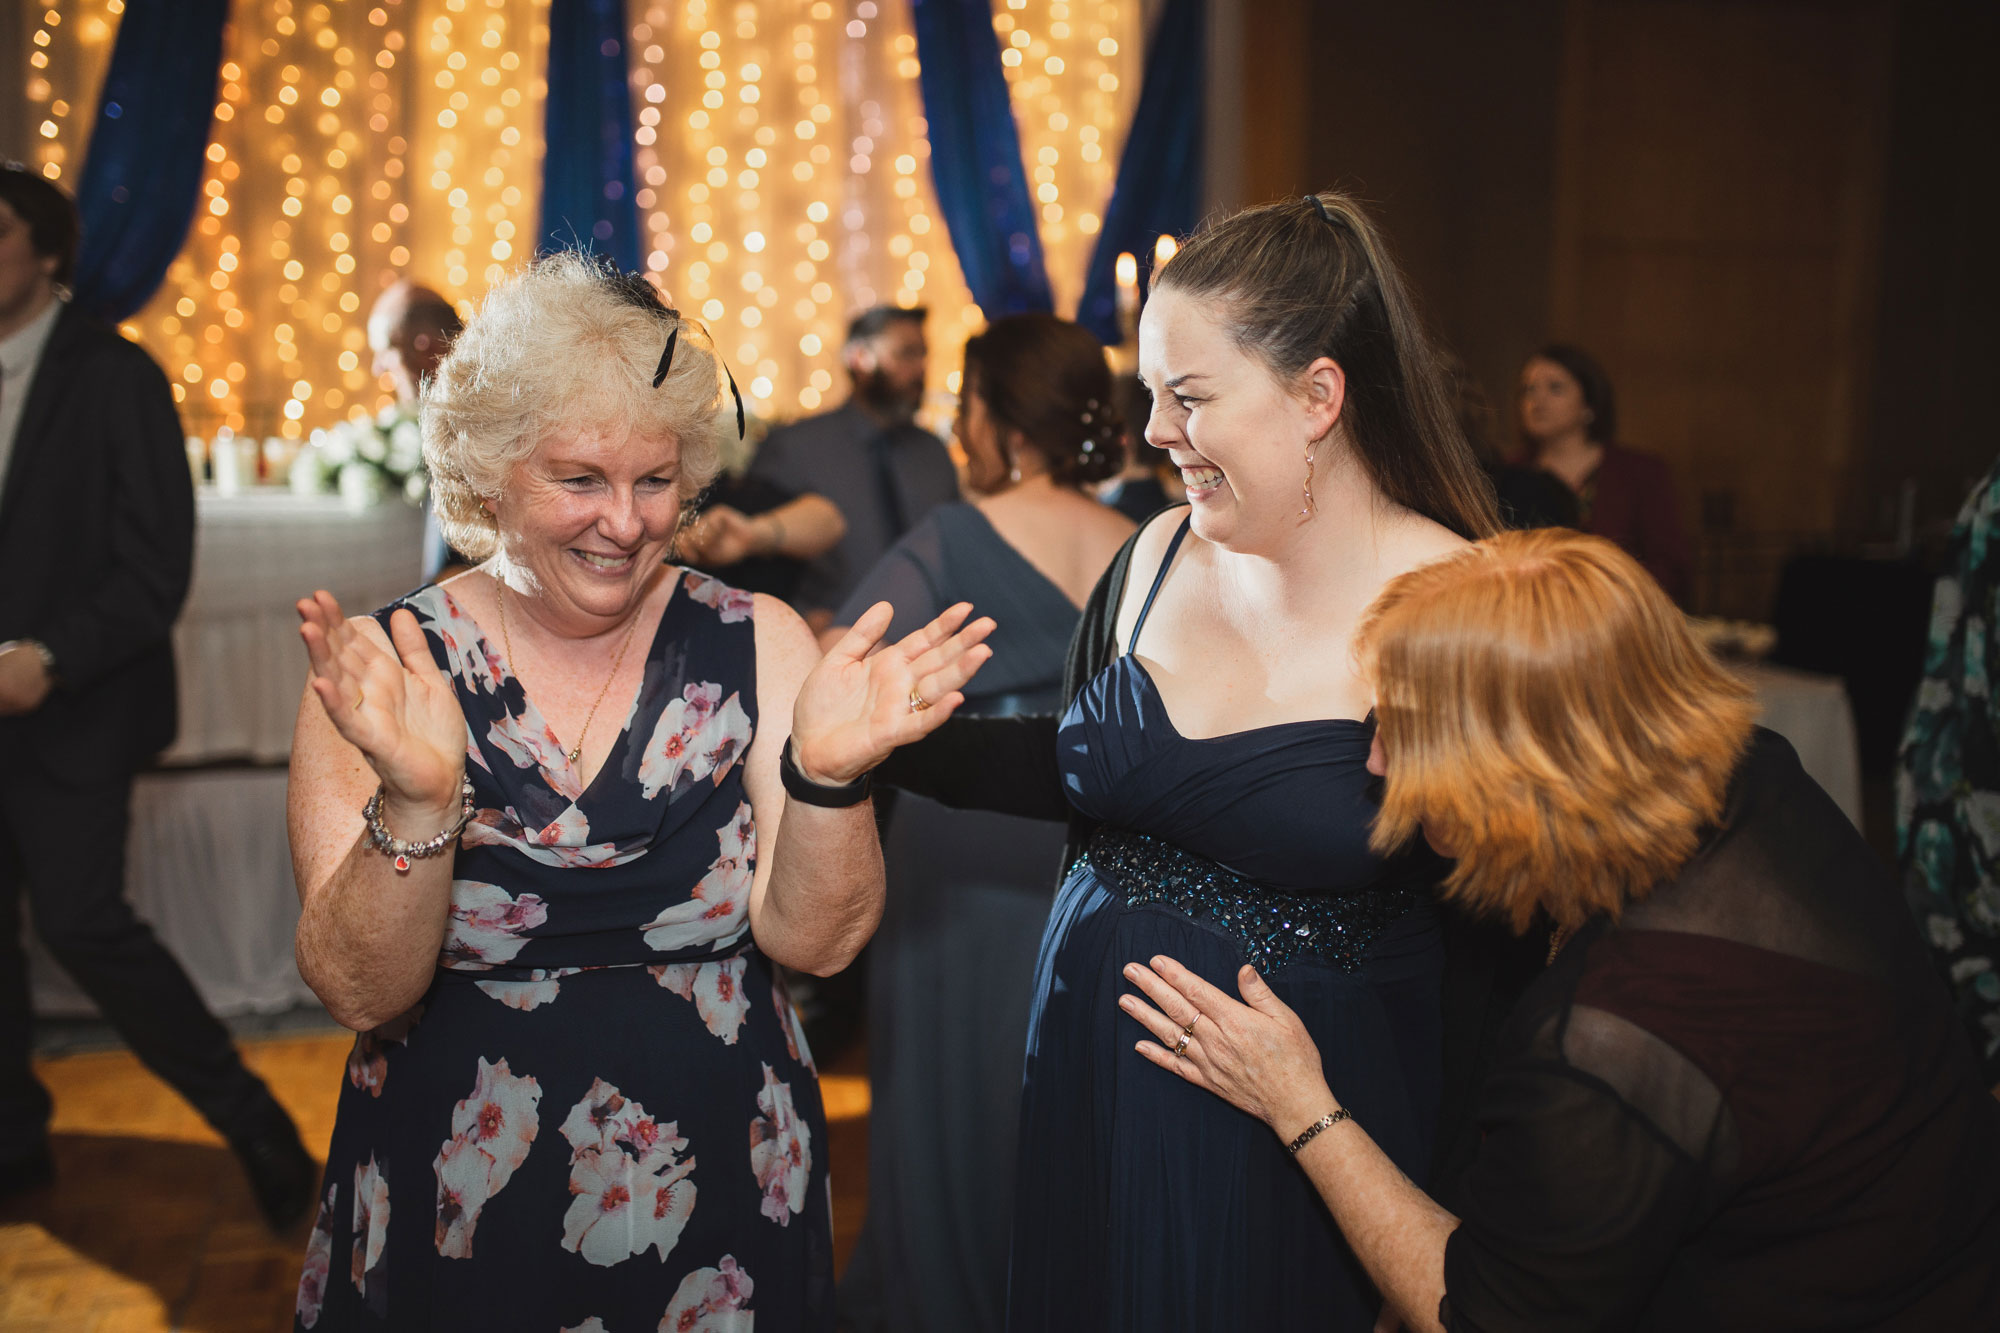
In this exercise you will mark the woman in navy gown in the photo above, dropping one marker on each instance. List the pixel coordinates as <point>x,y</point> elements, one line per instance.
<point>1212,760</point>
<point>951,968</point>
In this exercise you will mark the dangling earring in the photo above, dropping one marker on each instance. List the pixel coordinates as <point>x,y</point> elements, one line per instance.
<point>1310,509</point>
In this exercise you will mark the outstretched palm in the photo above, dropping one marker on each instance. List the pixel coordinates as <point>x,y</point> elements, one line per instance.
<point>395,707</point>
<point>855,707</point>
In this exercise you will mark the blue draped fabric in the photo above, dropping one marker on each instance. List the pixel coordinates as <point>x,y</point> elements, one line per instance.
<point>142,171</point>
<point>1159,174</point>
<point>587,184</point>
<point>982,187</point>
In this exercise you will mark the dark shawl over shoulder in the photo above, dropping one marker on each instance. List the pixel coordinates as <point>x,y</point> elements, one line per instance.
<point>1009,764</point>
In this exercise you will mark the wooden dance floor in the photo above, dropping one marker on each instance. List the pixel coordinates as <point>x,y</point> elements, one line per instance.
<point>150,1224</point>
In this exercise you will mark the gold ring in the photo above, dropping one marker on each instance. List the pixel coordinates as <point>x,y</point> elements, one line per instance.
<point>1180,1047</point>
<point>360,698</point>
<point>1189,1029</point>
<point>917,701</point>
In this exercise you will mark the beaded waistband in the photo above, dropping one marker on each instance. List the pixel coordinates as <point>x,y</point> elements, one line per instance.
<point>1273,928</point>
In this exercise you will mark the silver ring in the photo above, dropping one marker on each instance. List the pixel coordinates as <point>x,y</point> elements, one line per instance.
<point>1180,1048</point>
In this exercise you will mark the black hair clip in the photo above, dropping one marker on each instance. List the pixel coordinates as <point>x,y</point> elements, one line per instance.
<point>1320,205</point>
<point>667,357</point>
<point>667,363</point>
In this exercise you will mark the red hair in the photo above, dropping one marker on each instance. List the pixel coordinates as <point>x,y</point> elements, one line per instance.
<point>1544,709</point>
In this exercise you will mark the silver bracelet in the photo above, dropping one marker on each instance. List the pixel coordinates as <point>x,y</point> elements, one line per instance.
<point>386,843</point>
<point>1327,1121</point>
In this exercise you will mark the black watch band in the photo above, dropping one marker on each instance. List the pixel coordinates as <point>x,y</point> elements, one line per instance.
<point>803,789</point>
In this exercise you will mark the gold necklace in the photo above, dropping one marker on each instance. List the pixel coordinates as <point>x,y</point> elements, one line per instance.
<point>1557,938</point>
<point>616,662</point>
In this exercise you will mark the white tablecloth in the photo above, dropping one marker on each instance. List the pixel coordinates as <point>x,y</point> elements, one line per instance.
<point>1812,712</point>
<point>237,644</point>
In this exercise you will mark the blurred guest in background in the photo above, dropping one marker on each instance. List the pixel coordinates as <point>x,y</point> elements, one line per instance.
<point>1569,424</point>
<point>758,536</point>
<point>951,971</point>
<point>869,457</point>
<point>1736,1098</point>
<point>1149,481</point>
<point>97,541</point>
<point>410,329</point>
<point>1948,777</point>
<point>1528,496</point>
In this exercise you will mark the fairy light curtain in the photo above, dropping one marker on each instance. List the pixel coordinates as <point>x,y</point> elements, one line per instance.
<point>781,160</point>
<point>784,170</point>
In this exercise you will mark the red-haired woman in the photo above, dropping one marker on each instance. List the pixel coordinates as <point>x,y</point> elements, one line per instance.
<point>1737,1097</point>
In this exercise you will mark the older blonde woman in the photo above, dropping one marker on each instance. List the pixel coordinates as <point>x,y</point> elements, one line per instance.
<point>1736,1099</point>
<point>540,823</point>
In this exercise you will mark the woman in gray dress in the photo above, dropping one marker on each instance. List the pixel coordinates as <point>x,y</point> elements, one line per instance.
<point>951,969</point>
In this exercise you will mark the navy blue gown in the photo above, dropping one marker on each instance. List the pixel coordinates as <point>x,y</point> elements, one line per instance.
<point>1145,1203</point>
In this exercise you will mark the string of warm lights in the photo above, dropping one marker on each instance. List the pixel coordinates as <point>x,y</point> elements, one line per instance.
<point>352,143</point>
<point>781,154</point>
<point>69,47</point>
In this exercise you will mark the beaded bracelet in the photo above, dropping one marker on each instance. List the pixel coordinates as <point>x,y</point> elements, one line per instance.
<point>1327,1121</point>
<point>384,842</point>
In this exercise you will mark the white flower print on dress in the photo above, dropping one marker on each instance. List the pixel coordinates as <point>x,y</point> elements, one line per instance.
<point>732,605</point>
<point>368,1062</point>
<point>590,1325</point>
<point>716,989</point>
<point>718,910</point>
<point>537,989</point>
<point>491,1132</point>
<point>487,925</point>
<point>789,1024</point>
<point>319,1262</point>
<point>699,735</point>
<point>711,1300</point>
<point>780,1151</point>
<point>517,738</point>
<point>631,1189</point>
<point>503,828</point>
<point>371,1222</point>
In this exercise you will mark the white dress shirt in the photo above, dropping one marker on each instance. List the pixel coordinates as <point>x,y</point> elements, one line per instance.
<point>20,353</point>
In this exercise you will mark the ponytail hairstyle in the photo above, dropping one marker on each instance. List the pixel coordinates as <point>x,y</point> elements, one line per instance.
<point>1047,379</point>
<point>1307,278</point>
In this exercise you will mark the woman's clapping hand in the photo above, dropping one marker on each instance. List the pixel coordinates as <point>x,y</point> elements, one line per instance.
<point>395,707</point>
<point>858,703</point>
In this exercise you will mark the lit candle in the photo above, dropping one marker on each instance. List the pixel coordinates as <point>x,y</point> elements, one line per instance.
<point>1164,249</point>
<point>1127,273</point>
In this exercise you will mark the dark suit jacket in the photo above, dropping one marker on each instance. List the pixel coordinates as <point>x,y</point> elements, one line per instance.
<point>96,549</point>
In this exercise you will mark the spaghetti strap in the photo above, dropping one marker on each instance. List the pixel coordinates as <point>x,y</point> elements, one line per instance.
<point>1166,563</point>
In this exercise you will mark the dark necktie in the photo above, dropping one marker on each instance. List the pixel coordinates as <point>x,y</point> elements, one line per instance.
<point>880,447</point>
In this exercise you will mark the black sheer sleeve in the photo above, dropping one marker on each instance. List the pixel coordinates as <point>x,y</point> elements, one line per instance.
<point>1006,764</point>
<point>1578,1199</point>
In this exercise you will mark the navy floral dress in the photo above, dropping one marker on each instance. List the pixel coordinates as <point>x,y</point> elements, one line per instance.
<point>1948,776</point>
<point>602,1116</point>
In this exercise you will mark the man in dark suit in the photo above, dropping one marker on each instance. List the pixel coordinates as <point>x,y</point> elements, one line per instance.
<point>869,457</point>
<point>96,545</point>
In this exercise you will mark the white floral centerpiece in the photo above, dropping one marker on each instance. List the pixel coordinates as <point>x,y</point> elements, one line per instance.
<point>365,460</point>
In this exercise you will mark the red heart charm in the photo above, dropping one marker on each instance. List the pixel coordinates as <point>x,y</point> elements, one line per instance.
<point>403,865</point>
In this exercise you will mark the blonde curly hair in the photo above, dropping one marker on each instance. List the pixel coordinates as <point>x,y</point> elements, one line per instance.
<point>566,343</point>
